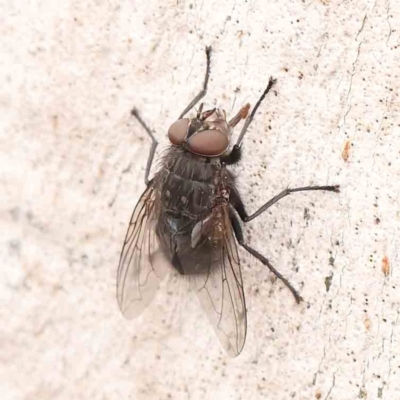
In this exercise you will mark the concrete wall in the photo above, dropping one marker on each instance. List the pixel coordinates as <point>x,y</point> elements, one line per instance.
<point>72,168</point>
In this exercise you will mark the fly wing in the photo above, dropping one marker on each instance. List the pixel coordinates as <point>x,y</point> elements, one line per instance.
<point>142,265</point>
<point>220,287</point>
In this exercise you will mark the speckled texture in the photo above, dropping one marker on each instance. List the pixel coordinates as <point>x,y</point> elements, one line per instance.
<point>72,168</point>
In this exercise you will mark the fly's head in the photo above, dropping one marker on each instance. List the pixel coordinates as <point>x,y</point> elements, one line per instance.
<point>207,135</point>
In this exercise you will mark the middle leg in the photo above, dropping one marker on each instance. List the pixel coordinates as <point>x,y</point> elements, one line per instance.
<point>205,84</point>
<point>237,202</point>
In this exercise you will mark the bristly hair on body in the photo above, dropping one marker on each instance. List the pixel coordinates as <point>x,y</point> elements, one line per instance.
<point>234,157</point>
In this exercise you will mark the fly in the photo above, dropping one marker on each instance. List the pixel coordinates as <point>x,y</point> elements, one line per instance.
<point>189,219</point>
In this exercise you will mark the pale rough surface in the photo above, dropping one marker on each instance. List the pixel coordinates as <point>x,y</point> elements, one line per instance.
<point>72,167</point>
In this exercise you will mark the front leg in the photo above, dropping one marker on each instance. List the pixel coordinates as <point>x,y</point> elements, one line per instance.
<point>203,91</point>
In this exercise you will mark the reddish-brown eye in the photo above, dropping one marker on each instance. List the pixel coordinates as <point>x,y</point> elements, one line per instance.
<point>178,130</point>
<point>208,143</point>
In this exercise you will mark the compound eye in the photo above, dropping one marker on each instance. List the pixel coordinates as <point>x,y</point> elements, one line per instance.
<point>208,143</point>
<point>178,131</point>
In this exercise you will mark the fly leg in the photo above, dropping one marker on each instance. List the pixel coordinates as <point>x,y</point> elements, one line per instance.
<point>250,118</point>
<point>204,90</point>
<point>154,144</point>
<point>237,202</point>
<point>239,236</point>
<point>234,156</point>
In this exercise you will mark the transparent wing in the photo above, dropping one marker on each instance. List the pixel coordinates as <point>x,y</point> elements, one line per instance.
<point>220,287</point>
<point>142,265</point>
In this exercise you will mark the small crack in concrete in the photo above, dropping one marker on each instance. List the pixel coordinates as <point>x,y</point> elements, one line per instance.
<point>388,22</point>
<point>124,171</point>
<point>332,386</point>
<point>353,71</point>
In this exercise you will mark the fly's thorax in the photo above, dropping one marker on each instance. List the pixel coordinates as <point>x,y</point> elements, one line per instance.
<point>190,186</point>
<point>185,183</point>
<point>187,165</point>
